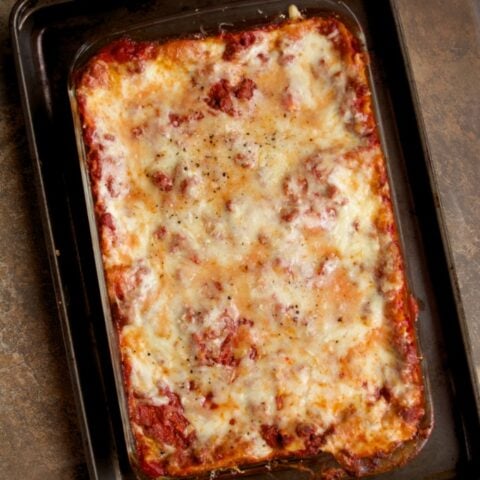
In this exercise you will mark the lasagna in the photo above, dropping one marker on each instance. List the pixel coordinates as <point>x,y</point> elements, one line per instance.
<point>250,252</point>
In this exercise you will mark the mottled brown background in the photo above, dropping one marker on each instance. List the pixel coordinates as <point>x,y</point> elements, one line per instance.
<point>443,41</point>
<point>39,436</point>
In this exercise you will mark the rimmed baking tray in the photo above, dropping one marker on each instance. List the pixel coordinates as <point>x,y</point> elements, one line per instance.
<point>47,36</point>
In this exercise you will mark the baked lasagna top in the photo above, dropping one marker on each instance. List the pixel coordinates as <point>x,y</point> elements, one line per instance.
<point>250,251</point>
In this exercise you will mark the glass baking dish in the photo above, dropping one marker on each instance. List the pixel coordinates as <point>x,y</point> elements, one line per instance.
<point>198,24</point>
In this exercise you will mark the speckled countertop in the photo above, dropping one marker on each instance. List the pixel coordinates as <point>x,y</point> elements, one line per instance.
<point>39,435</point>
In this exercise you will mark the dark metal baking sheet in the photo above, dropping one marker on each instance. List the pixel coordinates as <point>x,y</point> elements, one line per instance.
<point>46,36</point>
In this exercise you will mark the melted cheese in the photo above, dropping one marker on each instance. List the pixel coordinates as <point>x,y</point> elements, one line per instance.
<point>267,232</point>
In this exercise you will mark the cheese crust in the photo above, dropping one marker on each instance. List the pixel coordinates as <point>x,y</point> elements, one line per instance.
<point>250,251</point>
